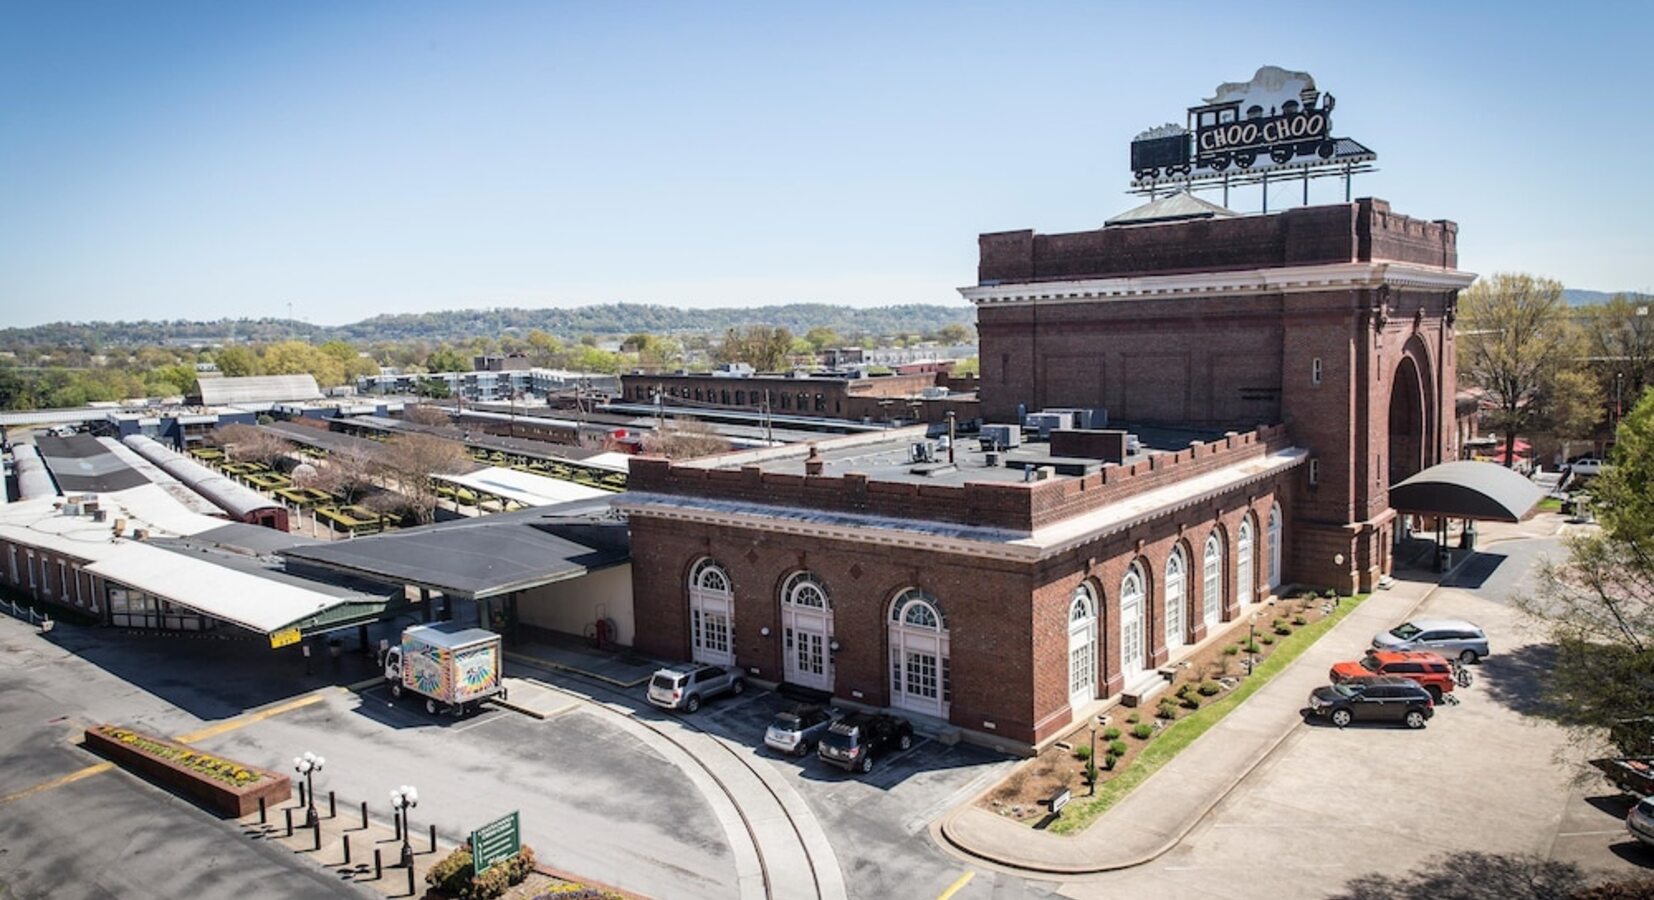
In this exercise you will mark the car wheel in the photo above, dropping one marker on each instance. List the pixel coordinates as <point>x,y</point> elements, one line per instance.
<point>693,704</point>
<point>1468,657</point>
<point>866,764</point>
<point>1341,717</point>
<point>1435,693</point>
<point>430,706</point>
<point>905,742</point>
<point>738,687</point>
<point>1415,719</point>
<point>396,690</point>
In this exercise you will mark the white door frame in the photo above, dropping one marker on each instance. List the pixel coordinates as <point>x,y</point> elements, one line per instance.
<point>1177,599</point>
<point>711,615</point>
<point>1082,647</point>
<point>1211,591</point>
<point>1246,581</point>
<point>914,648</point>
<point>1134,603</point>
<point>807,632</point>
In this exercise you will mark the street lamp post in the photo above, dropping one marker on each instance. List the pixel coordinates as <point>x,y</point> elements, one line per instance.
<point>403,799</point>
<point>1251,643</point>
<point>308,765</point>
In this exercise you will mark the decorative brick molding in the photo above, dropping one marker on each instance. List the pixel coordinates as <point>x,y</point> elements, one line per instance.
<point>213,781</point>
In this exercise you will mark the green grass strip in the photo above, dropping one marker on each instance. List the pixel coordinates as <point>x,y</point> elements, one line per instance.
<point>1082,811</point>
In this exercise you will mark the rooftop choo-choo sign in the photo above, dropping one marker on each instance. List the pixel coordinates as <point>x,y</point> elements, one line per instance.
<point>1278,119</point>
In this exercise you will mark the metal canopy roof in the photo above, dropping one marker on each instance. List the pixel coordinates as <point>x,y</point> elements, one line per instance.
<point>81,462</point>
<point>485,556</point>
<point>1467,490</point>
<point>256,389</point>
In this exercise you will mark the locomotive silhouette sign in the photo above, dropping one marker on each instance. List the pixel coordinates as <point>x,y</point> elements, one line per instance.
<point>1277,120</point>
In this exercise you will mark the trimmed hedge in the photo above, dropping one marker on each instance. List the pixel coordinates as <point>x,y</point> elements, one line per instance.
<point>452,875</point>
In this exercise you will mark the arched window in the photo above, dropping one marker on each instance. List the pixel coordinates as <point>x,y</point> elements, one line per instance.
<point>1246,586</point>
<point>1177,593</point>
<point>919,675</point>
<point>711,614</point>
<point>807,631</point>
<point>1212,580</point>
<point>1082,647</point>
<point>1274,547</point>
<point>1133,612</point>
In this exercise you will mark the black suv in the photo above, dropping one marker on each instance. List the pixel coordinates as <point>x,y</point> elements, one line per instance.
<point>1381,698</point>
<point>853,741</point>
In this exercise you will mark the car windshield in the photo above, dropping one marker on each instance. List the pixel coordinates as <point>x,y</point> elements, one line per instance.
<point>1406,631</point>
<point>665,682</point>
<point>1370,663</point>
<point>839,740</point>
<point>785,721</point>
<point>1646,806</point>
<point>1346,690</point>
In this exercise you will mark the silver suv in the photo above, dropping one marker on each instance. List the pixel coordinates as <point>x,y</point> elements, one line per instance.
<point>687,685</point>
<point>1449,637</point>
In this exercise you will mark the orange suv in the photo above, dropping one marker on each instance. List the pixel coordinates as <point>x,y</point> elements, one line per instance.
<point>1430,670</point>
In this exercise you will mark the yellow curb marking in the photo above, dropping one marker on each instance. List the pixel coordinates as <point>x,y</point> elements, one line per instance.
<point>957,885</point>
<point>248,719</point>
<point>70,778</point>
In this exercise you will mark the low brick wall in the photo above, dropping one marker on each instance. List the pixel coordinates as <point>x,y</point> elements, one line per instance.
<point>137,751</point>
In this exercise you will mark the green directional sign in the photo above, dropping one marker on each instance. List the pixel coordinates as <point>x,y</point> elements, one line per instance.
<point>495,842</point>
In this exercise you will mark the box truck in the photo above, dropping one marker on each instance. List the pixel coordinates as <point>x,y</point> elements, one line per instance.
<point>454,668</point>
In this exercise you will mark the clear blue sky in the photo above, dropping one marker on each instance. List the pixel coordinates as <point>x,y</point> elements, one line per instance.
<point>168,160</point>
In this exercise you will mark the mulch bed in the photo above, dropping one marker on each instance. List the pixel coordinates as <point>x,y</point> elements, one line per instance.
<point>1024,795</point>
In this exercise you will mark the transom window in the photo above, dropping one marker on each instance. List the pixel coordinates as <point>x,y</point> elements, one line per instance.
<point>805,589</point>
<point>709,576</point>
<point>916,609</point>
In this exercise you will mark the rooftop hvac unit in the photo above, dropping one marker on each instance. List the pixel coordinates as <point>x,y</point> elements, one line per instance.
<point>919,452</point>
<point>1002,437</point>
<point>1133,445</point>
<point>1047,422</point>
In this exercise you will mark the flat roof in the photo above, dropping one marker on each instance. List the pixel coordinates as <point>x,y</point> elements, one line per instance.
<point>484,556</point>
<point>81,463</point>
<point>524,487</point>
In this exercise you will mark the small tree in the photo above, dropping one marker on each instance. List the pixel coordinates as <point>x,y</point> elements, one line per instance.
<point>249,443</point>
<point>425,415</point>
<point>409,461</point>
<point>685,439</point>
<point>348,474</point>
<point>1516,343</point>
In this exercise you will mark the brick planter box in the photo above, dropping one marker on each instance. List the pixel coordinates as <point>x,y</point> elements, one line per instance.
<point>221,784</point>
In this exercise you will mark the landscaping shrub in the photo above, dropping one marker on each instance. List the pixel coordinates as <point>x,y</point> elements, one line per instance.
<point>1300,621</point>
<point>1110,733</point>
<point>1266,639</point>
<point>1083,752</point>
<point>1330,594</point>
<point>1143,731</point>
<point>1118,748</point>
<point>1231,650</point>
<point>1166,708</point>
<point>1134,718</point>
<point>1251,646</point>
<point>1210,688</point>
<point>1283,629</point>
<point>1091,770</point>
<point>452,875</point>
<point>1108,762</point>
<point>1192,701</point>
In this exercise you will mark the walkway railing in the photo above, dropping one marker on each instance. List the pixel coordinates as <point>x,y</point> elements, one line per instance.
<point>26,614</point>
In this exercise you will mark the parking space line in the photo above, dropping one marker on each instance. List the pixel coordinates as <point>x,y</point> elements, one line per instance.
<point>1563,834</point>
<point>228,725</point>
<point>958,884</point>
<point>71,778</point>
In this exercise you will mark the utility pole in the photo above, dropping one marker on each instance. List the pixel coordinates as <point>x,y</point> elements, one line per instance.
<point>769,431</point>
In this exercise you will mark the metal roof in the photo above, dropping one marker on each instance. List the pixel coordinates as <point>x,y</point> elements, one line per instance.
<point>256,389</point>
<point>524,487</point>
<point>81,462</point>
<point>449,635</point>
<point>1173,207</point>
<point>242,598</point>
<point>234,499</point>
<point>485,556</point>
<point>34,480</point>
<point>1467,489</point>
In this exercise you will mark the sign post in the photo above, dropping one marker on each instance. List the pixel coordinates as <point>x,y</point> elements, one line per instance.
<point>495,842</point>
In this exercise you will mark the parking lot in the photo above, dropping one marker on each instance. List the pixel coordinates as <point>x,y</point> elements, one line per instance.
<point>1485,775</point>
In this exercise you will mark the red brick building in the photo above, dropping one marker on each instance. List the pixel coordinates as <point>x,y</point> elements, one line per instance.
<point>1277,371</point>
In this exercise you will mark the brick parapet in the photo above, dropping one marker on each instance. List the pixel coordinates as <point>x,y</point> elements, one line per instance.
<point>1016,506</point>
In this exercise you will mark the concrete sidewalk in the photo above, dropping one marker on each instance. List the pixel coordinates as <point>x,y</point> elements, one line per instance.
<point>1154,817</point>
<point>624,670</point>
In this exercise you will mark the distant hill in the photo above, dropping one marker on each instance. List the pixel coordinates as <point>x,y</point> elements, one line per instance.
<point>1579,297</point>
<point>451,325</point>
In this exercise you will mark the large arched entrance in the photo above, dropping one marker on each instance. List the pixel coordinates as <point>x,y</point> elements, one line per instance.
<point>1408,425</point>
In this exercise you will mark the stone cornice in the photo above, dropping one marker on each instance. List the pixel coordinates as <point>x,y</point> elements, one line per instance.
<point>1235,282</point>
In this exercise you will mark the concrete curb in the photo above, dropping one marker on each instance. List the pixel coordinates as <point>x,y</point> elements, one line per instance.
<point>531,713</point>
<point>1183,829</point>
<point>537,662</point>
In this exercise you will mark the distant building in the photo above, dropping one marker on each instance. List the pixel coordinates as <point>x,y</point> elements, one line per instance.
<point>839,395</point>
<point>222,391</point>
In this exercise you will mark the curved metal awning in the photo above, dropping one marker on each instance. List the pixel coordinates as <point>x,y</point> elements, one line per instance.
<point>1467,490</point>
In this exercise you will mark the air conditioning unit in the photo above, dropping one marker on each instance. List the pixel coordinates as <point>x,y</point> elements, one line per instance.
<point>920,451</point>
<point>1003,437</point>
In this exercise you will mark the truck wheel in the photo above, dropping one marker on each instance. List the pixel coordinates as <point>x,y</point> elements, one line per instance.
<point>396,690</point>
<point>430,706</point>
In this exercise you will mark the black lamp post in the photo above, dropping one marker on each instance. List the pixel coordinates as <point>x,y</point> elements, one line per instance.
<point>308,765</point>
<point>403,799</point>
<point>1251,643</point>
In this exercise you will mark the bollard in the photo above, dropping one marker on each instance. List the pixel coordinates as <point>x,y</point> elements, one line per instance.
<point>364,815</point>
<point>316,836</point>
<point>301,795</point>
<point>410,881</point>
<point>261,813</point>
<point>347,849</point>
<point>378,866</point>
<point>433,838</point>
<point>332,807</point>
<point>289,812</point>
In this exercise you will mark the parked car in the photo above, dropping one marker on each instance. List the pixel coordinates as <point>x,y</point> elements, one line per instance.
<point>1428,669</point>
<point>798,730</point>
<point>1381,698</point>
<point>1449,637</point>
<point>1640,821</point>
<point>1588,465</point>
<point>853,742</point>
<point>687,685</point>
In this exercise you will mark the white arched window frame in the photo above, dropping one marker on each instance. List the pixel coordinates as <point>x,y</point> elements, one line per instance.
<point>807,631</point>
<point>1246,585</point>
<point>1177,597</point>
<point>1133,619</point>
<point>711,614</point>
<point>1274,547</point>
<point>920,679</point>
<point>1082,646</point>
<point>1211,599</point>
